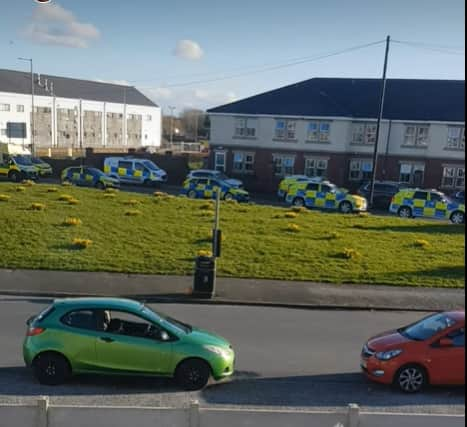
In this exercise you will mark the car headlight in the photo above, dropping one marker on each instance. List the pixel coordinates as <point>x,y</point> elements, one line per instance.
<point>223,352</point>
<point>388,355</point>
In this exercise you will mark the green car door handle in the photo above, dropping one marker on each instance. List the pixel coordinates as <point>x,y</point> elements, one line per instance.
<point>107,339</point>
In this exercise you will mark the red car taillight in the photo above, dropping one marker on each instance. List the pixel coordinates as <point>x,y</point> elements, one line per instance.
<point>32,332</point>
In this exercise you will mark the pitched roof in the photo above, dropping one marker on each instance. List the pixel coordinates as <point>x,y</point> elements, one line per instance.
<point>426,100</point>
<point>64,87</point>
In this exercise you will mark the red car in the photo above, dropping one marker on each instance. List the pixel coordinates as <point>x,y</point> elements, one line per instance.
<point>430,351</point>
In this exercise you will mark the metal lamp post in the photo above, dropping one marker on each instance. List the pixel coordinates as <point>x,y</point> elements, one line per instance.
<point>32,105</point>
<point>171,125</point>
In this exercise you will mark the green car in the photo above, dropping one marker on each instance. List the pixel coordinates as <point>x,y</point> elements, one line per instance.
<point>120,336</point>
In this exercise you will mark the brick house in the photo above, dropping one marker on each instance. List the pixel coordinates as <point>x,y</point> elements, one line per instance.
<point>327,127</point>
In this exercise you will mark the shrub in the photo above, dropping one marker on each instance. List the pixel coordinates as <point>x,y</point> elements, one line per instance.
<point>208,213</point>
<point>4,198</point>
<point>363,214</point>
<point>131,202</point>
<point>73,201</point>
<point>52,190</point>
<point>133,212</point>
<point>291,215</point>
<point>72,222</point>
<point>66,183</point>
<point>109,190</point>
<point>421,243</point>
<point>20,189</point>
<point>27,182</point>
<point>109,195</point>
<point>292,228</point>
<point>351,254</point>
<point>81,243</point>
<point>299,209</point>
<point>207,206</point>
<point>232,202</point>
<point>37,206</point>
<point>65,198</point>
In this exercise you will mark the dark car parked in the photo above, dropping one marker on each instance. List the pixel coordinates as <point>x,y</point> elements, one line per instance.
<point>383,192</point>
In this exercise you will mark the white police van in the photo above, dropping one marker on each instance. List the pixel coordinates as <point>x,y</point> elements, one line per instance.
<point>130,170</point>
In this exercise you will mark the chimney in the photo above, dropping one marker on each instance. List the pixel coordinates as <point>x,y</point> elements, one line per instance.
<point>39,80</point>
<point>52,88</point>
<point>45,85</point>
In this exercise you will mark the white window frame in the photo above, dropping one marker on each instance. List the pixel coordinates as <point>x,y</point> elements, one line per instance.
<point>407,171</point>
<point>453,176</point>
<point>283,164</point>
<point>245,127</point>
<point>221,167</point>
<point>243,162</point>
<point>286,132</point>
<point>364,133</point>
<point>416,135</point>
<point>316,166</point>
<point>4,107</point>
<point>456,141</point>
<point>358,169</point>
<point>318,131</point>
<point>20,108</point>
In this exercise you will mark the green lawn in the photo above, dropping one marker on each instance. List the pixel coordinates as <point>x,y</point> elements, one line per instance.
<point>135,233</point>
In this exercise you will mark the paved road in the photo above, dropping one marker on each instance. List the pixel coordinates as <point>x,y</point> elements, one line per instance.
<point>285,357</point>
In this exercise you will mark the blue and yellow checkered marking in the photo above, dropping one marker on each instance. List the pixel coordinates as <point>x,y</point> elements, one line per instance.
<point>209,191</point>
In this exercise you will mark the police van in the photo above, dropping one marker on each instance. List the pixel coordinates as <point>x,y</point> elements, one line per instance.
<point>130,170</point>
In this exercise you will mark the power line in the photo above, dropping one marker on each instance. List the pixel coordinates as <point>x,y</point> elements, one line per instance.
<point>435,48</point>
<point>290,63</point>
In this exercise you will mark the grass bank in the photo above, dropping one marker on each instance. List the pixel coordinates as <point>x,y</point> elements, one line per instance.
<point>68,228</point>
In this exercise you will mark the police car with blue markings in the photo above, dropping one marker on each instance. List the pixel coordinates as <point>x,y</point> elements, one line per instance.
<point>207,188</point>
<point>316,193</point>
<point>131,170</point>
<point>84,176</point>
<point>416,202</point>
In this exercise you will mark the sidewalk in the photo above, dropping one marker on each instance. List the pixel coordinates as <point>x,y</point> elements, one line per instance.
<point>229,291</point>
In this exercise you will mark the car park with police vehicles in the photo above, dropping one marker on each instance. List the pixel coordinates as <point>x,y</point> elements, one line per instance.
<point>207,188</point>
<point>84,176</point>
<point>324,195</point>
<point>415,202</point>
<point>131,170</point>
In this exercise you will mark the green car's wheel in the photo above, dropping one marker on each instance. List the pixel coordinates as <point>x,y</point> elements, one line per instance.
<point>193,374</point>
<point>15,176</point>
<point>51,368</point>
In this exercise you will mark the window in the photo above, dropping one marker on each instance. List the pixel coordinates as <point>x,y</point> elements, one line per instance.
<point>283,165</point>
<point>3,132</point>
<point>219,161</point>
<point>4,107</point>
<point>285,129</point>
<point>458,337</point>
<point>148,118</point>
<point>318,131</point>
<point>125,165</point>
<point>243,162</point>
<point>416,136</point>
<point>360,170</point>
<point>81,319</point>
<point>412,173</point>
<point>453,177</point>
<point>316,167</point>
<point>245,127</point>
<point>364,133</point>
<point>420,195</point>
<point>456,138</point>
<point>20,108</point>
<point>312,186</point>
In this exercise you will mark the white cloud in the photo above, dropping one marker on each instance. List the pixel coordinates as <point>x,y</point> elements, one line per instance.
<point>188,49</point>
<point>52,24</point>
<point>183,98</point>
<point>114,82</point>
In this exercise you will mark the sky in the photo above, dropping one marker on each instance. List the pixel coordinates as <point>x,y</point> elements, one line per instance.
<point>202,54</point>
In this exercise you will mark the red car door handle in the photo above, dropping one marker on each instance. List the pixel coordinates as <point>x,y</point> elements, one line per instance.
<point>107,339</point>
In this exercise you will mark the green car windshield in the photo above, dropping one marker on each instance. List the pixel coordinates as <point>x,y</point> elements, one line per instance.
<point>164,319</point>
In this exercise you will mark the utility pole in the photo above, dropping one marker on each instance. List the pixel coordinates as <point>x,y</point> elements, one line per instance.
<point>380,116</point>
<point>171,125</point>
<point>124,123</point>
<point>33,129</point>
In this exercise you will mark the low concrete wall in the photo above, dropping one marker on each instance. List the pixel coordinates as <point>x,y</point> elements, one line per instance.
<point>43,415</point>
